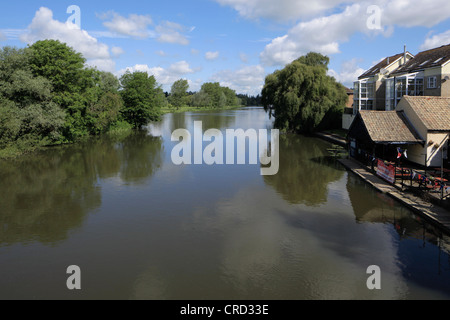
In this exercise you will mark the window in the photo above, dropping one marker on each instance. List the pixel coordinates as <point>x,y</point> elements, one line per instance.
<point>431,82</point>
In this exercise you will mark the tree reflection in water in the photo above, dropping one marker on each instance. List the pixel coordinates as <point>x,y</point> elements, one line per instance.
<point>305,172</point>
<point>47,194</point>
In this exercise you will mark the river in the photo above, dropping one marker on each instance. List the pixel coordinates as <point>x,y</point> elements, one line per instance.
<point>140,227</point>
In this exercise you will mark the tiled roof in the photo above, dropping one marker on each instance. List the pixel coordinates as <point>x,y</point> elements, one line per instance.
<point>434,112</point>
<point>389,127</point>
<point>382,64</point>
<point>427,59</point>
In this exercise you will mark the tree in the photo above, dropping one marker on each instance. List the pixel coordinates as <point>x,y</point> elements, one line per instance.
<point>74,86</point>
<point>142,97</point>
<point>28,116</point>
<point>178,94</point>
<point>302,97</point>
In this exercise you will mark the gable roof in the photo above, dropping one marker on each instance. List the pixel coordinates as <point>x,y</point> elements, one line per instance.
<point>389,127</point>
<point>431,58</point>
<point>433,112</point>
<point>382,64</point>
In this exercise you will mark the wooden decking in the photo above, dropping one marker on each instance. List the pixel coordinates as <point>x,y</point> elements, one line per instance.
<point>433,213</point>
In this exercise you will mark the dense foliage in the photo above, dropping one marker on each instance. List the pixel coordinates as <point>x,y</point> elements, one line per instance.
<point>49,96</point>
<point>303,98</point>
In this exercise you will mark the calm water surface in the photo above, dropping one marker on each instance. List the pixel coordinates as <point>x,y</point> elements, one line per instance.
<point>140,227</point>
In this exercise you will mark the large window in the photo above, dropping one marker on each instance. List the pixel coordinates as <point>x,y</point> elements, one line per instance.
<point>364,95</point>
<point>396,88</point>
<point>390,94</point>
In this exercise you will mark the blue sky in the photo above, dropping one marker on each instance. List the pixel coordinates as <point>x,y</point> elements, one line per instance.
<point>234,42</point>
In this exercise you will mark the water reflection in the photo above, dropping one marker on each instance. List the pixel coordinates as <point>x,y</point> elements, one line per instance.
<point>47,194</point>
<point>305,170</point>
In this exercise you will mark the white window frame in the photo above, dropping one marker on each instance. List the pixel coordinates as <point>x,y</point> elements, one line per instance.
<point>432,82</point>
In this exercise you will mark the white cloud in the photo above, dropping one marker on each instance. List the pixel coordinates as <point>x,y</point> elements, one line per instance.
<point>43,27</point>
<point>2,36</point>
<point>436,41</point>
<point>246,80</point>
<point>165,77</point>
<point>320,35</point>
<point>212,55</point>
<point>133,26</point>
<point>281,10</point>
<point>349,72</point>
<point>325,34</point>
<point>171,32</point>
<point>415,13</point>
<point>117,51</point>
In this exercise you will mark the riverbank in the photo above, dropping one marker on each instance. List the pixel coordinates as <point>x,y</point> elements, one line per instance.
<point>431,211</point>
<point>436,215</point>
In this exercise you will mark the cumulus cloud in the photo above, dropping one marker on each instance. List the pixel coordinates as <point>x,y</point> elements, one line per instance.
<point>436,41</point>
<point>247,80</point>
<point>164,76</point>
<point>117,51</point>
<point>212,55</point>
<point>133,26</point>
<point>43,27</point>
<point>171,32</point>
<point>325,34</point>
<point>348,73</point>
<point>281,10</point>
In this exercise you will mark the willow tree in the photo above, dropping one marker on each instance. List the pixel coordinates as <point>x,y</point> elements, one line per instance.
<point>302,97</point>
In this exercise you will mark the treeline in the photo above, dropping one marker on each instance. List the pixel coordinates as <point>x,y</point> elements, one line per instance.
<point>48,96</point>
<point>250,101</point>
<point>211,95</point>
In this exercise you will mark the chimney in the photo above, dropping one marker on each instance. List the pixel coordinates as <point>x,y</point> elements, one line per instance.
<point>404,56</point>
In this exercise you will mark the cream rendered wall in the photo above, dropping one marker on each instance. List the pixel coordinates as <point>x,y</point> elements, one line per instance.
<point>445,90</point>
<point>434,150</point>
<point>433,144</point>
<point>437,71</point>
<point>416,153</point>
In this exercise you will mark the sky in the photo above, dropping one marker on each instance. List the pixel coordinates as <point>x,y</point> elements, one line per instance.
<point>234,42</point>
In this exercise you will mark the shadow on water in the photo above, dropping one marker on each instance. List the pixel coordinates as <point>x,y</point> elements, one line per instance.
<point>47,194</point>
<point>305,171</point>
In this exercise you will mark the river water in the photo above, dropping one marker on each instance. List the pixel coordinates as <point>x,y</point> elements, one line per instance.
<point>140,227</point>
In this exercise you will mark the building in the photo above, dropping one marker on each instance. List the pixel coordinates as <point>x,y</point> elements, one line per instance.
<point>370,89</point>
<point>419,125</point>
<point>428,74</point>
<point>430,116</point>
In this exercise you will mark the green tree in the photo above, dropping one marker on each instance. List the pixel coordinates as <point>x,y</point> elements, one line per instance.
<point>28,116</point>
<point>201,99</point>
<point>178,94</point>
<point>74,85</point>
<point>142,97</point>
<point>302,97</point>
